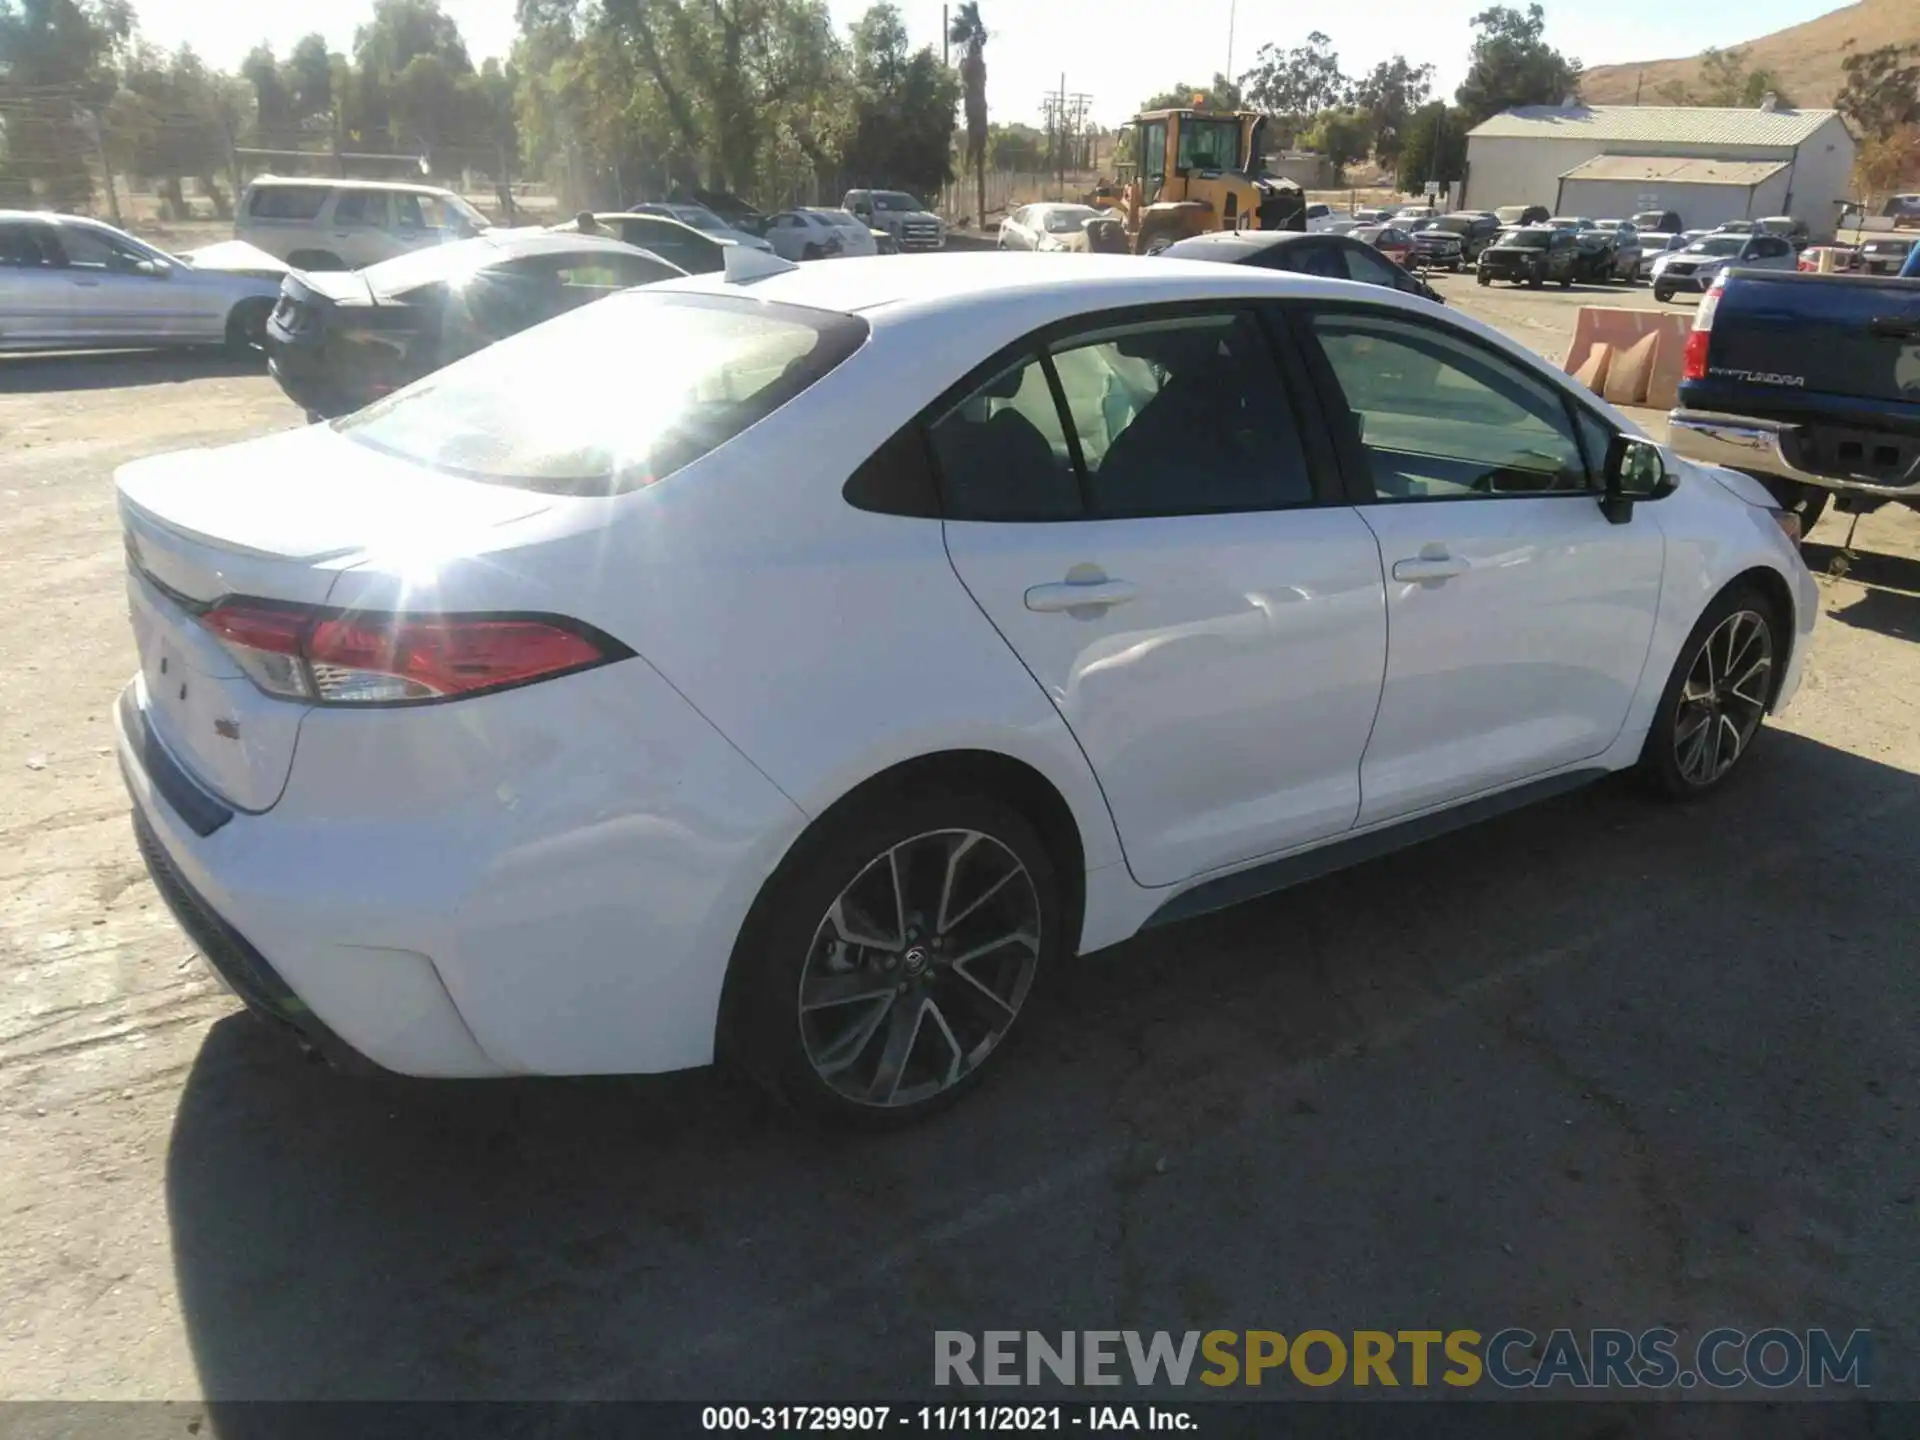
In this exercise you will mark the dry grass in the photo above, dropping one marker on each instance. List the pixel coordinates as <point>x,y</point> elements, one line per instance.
<point>1806,58</point>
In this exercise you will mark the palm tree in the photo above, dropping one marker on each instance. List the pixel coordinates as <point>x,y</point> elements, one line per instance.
<point>970,35</point>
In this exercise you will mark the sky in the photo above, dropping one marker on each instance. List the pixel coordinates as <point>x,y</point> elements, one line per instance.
<point>1118,51</point>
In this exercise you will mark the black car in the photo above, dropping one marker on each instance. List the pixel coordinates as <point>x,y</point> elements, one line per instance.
<point>340,339</point>
<point>1335,257</point>
<point>674,241</point>
<point>1531,256</point>
<point>1454,241</point>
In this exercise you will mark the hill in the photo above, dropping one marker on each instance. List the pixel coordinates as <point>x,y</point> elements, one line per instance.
<point>1806,58</point>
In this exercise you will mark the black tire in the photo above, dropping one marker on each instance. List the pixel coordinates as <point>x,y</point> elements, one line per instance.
<point>1534,282</point>
<point>1454,267</point>
<point>315,260</point>
<point>1663,294</point>
<point>811,252</point>
<point>247,328</point>
<point>1664,759</point>
<point>788,938</point>
<point>1566,282</point>
<point>1483,279</point>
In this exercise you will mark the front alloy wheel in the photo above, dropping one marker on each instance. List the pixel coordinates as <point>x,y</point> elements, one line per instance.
<point>918,968</point>
<point>1716,697</point>
<point>1724,698</point>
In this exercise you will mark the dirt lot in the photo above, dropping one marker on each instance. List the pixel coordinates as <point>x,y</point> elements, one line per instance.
<point>1604,1063</point>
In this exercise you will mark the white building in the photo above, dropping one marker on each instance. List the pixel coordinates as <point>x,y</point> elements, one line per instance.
<point>1709,165</point>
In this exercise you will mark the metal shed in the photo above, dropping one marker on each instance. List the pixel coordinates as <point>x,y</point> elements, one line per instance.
<point>1704,192</point>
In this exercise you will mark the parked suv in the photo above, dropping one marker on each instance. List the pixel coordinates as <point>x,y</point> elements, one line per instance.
<point>1665,222</point>
<point>1454,240</point>
<point>320,224</point>
<point>1699,265</point>
<point>911,224</point>
<point>1530,255</point>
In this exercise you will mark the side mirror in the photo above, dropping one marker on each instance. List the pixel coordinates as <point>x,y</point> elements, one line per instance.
<point>1636,470</point>
<point>152,269</point>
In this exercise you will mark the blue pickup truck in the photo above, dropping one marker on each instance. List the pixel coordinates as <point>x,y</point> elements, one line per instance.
<point>1811,384</point>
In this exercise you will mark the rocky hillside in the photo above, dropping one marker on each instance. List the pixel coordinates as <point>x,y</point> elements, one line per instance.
<point>1806,58</point>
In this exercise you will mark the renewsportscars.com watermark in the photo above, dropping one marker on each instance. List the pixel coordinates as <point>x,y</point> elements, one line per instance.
<point>1511,1359</point>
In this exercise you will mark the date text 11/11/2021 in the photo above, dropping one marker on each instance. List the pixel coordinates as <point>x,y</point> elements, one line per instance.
<point>938,1419</point>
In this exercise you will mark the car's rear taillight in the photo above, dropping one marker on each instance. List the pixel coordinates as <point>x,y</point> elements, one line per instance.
<point>1694,365</point>
<point>379,657</point>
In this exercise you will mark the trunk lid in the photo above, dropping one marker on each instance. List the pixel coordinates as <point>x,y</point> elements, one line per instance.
<point>276,519</point>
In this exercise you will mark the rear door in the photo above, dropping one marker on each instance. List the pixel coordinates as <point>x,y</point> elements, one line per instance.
<point>361,227</point>
<point>36,299</point>
<point>1519,617</point>
<point>1145,516</point>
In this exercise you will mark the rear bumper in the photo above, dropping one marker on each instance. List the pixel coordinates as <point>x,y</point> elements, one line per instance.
<point>1765,447</point>
<point>301,368</point>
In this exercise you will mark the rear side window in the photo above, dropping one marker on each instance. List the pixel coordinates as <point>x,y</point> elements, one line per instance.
<point>287,202</point>
<point>574,407</point>
<point>1365,266</point>
<point>1181,416</point>
<point>361,207</point>
<point>24,245</point>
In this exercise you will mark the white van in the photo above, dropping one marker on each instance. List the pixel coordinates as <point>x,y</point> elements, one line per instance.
<point>324,224</point>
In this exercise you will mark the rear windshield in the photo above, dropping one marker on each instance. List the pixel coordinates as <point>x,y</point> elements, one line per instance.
<point>435,262</point>
<point>1065,219</point>
<point>576,407</point>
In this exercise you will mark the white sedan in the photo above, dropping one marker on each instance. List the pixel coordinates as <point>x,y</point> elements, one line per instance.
<point>808,234</point>
<point>67,282</point>
<point>1047,227</point>
<point>804,684</point>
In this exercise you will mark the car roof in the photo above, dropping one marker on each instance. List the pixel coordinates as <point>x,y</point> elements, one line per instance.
<point>1241,243</point>
<point>417,187</point>
<point>606,217</point>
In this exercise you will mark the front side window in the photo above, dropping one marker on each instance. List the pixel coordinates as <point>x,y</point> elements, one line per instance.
<point>1153,159</point>
<point>578,407</point>
<point>1437,417</point>
<point>1181,416</point>
<point>90,249</point>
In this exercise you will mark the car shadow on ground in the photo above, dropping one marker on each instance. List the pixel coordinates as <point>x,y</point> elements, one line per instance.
<point>118,369</point>
<point>1524,1070</point>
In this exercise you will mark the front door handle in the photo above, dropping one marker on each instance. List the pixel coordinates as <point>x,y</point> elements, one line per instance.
<point>1092,595</point>
<point>1432,563</point>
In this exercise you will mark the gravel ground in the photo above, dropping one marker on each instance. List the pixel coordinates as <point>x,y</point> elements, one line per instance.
<point>1605,1063</point>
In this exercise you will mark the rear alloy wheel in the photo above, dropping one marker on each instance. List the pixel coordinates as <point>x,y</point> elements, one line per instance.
<point>889,967</point>
<point>1716,698</point>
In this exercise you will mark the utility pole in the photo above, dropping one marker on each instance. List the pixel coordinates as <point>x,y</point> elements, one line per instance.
<point>91,123</point>
<point>1063,134</point>
<point>946,42</point>
<point>1639,79</point>
<point>1232,8</point>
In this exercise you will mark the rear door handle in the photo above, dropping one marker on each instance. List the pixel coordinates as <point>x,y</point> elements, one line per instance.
<point>1072,595</point>
<point>1430,567</point>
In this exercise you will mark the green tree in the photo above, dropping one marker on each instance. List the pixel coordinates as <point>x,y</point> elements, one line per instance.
<point>1222,94</point>
<point>1882,91</point>
<point>1435,146</point>
<point>1342,135</point>
<point>1391,92</point>
<point>1302,81</point>
<point>1512,64</point>
<point>1015,147</point>
<point>970,35</point>
<point>56,75</point>
<point>308,78</point>
<point>904,106</point>
<point>273,104</point>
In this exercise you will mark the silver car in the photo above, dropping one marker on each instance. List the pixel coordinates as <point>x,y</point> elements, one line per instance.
<point>1699,265</point>
<point>1047,227</point>
<point>71,283</point>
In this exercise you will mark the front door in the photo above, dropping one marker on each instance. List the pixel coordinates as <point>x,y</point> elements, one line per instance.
<point>1136,514</point>
<point>1518,616</point>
